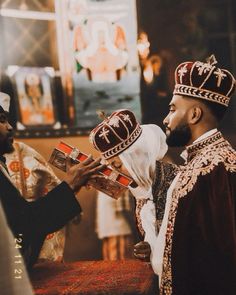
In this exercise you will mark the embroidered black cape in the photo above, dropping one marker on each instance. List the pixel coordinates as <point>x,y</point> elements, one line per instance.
<point>200,251</point>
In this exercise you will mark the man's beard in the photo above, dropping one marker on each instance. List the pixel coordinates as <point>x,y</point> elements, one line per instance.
<point>180,136</point>
<point>6,146</point>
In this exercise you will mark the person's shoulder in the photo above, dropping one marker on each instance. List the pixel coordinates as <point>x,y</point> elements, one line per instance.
<point>227,152</point>
<point>28,151</point>
<point>222,154</point>
<point>229,157</point>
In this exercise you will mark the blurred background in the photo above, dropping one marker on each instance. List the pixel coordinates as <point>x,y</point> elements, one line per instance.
<point>62,61</point>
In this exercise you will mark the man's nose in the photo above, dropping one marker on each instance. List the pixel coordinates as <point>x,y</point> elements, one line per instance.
<point>165,121</point>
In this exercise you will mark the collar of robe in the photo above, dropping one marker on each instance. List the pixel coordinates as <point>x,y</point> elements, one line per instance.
<point>196,148</point>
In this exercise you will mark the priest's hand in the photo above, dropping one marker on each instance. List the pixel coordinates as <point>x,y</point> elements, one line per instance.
<point>142,250</point>
<point>77,175</point>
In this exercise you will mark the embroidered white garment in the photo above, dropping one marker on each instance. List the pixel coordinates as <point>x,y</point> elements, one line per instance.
<point>33,177</point>
<point>158,252</point>
<point>140,161</point>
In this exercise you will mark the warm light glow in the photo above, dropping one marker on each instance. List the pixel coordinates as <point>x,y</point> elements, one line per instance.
<point>143,45</point>
<point>151,68</point>
<point>148,73</point>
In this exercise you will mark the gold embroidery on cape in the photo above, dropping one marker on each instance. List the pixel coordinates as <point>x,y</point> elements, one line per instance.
<point>203,157</point>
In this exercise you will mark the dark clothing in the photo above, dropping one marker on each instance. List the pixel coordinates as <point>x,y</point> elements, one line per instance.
<point>32,221</point>
<point>200,252</point>
<point>164,175</point>
<point>204,242</point>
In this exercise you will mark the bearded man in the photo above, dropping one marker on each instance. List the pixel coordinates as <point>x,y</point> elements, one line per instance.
<point>195,250</point>
<point>31,222</point>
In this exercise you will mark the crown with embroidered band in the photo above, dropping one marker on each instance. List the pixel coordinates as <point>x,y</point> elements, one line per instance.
<point>115,133</point>
<point>205,81</point>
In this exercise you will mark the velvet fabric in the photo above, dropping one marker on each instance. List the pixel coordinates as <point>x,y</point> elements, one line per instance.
<point>115,133</point>
<point>200,241</point>
<point>204,81</point>
<point>95,277</point>
<point>204,241</point>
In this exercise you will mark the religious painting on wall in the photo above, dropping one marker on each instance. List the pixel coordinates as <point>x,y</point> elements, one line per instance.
<point>104,53</point>
<point>34,94</point>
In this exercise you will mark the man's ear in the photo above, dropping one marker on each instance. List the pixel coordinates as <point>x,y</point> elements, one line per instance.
<point>195,115</point>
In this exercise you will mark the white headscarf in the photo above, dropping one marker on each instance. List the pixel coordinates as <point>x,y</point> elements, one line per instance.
<point>140,158</point>
<point>140,161</point>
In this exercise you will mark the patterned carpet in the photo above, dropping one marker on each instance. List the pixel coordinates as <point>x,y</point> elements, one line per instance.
<point>94,277</point>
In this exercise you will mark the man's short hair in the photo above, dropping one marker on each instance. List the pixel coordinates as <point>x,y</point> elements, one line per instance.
<point>217,110</point>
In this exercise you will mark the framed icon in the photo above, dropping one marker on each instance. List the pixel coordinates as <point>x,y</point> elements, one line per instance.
<point>34,96</point>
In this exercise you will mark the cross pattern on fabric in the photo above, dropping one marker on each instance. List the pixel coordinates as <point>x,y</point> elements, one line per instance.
<point>220,76</point>
<point>115,133</point>
<point>182,71</point>
<point>204,81</point>
<point>103,134</point>
<point>203,67</point>
<point>126,118</point>
<point>114,121</point>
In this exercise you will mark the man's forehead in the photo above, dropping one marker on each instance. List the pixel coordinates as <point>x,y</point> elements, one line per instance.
<point>178,100</point>
<point>175,99</point>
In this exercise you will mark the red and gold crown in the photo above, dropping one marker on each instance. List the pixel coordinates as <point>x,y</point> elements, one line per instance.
<point>115,133</point>
<point>204,80</point>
